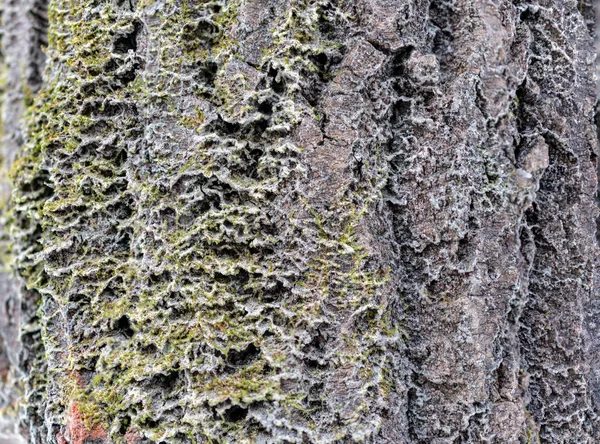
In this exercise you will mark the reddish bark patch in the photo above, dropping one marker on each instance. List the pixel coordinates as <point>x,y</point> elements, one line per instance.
<point>133,437</point>
<point>77,430</point>
<point>61,439</point>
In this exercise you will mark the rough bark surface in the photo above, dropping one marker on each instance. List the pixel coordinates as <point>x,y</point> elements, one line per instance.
<point>24,31</point>
<point>301,221</point>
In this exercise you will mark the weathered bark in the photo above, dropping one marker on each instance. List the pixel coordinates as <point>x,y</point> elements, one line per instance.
<point>302,221</point>
<point>23,38</point>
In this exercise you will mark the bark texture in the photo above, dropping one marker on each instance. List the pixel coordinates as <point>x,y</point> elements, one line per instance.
<point>24,31</point>
<point>311,221</point>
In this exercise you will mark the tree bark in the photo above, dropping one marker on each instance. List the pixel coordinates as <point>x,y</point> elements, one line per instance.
<point>24,32</point>
<point>311,221</point>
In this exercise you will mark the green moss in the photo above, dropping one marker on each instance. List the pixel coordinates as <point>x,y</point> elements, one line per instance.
<point>531,431</point>
<point>154,230</point>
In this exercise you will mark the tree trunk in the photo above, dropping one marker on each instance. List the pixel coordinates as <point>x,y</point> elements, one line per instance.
<point>316,221</point>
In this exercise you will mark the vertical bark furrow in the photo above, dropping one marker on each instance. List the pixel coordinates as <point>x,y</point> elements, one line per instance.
<point>467,280</point>
<point>458,205</point>
<point>554,330</point>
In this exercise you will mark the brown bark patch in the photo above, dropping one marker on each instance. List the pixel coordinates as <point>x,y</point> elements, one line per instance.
<point>133,437</point>
<point>79,432</point>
